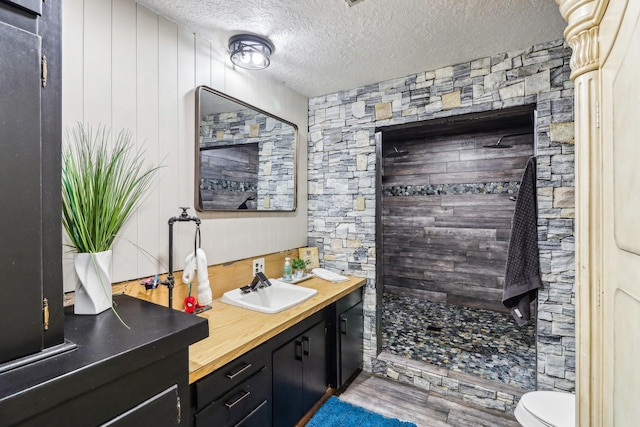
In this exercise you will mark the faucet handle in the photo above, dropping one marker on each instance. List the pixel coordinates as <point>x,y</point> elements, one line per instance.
<point>263,279</point>
<point>259,281</point>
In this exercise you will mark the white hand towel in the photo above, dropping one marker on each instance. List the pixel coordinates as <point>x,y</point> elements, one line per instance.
<point>189,268</point>
<point>204,288</point>
<point>329,275</point>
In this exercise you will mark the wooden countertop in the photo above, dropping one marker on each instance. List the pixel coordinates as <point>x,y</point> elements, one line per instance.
<point>233,331</point>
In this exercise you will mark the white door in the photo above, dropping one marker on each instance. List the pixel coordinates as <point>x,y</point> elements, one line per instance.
<point>620,127</point>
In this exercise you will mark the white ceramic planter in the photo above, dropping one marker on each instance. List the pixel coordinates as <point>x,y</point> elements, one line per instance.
<point>93,290</point>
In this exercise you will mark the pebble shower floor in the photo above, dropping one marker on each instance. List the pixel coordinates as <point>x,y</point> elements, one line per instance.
<point>478,342</point>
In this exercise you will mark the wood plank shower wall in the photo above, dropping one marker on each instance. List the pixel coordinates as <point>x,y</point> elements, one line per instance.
<point>446,215</point>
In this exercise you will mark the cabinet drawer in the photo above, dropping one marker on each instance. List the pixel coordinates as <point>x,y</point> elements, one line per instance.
<point>213,386</point>
<point>162,409</point>
<point>259,417</point>
<point>239,403</point>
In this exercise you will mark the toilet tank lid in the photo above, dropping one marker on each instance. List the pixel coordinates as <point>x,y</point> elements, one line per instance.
<point>555,408</point>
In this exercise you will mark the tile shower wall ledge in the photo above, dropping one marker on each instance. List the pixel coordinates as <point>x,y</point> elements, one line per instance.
<point>468,388</point>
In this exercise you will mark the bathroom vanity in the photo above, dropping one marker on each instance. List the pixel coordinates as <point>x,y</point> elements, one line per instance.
<point>258,369</point>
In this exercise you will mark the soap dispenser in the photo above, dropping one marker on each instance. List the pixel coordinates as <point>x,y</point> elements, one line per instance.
<point>286,270</point>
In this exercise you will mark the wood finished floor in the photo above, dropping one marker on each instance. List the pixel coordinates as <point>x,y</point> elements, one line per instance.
<point>394,399</point>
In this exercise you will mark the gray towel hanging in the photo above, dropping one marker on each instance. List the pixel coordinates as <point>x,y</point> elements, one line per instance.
<point>522,276</point>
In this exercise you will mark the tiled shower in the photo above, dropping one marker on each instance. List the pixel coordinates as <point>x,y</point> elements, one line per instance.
<point>448,196</point>
<point>343,152</point>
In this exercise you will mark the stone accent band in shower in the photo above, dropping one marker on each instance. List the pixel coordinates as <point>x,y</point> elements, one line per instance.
<point>455,189</point>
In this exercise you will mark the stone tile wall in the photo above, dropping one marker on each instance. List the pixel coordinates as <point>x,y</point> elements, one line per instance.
<point>341,172</point>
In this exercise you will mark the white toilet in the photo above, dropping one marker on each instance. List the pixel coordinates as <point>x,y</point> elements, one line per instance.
<point>546,409</point>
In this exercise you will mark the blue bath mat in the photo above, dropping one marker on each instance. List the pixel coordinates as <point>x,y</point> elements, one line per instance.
<point>336,413</point>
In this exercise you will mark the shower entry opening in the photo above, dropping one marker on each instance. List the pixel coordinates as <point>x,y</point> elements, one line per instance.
<point>446,191</point>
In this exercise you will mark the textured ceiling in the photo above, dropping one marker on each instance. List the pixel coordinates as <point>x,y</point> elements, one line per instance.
<point>323,46</point>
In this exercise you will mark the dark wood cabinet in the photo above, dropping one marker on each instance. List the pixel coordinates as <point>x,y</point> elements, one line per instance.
<point>30,230</point>
<point>239,393</point>
<point>346,327</point>
<point>299,374</point>
<point>277,383</point>
<point>350,330</point>
<point>115,376</point>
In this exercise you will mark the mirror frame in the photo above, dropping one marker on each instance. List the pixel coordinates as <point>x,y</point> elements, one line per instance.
<point>197,198</point>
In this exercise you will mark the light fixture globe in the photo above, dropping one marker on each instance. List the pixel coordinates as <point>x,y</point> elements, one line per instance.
<point>250,51</point>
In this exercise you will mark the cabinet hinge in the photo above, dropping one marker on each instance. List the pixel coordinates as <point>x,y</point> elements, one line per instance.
<point>45,314</point>
<point>597,115</point>
<point>598,293</point>
<point>44,70</point>
<point>178,409</point>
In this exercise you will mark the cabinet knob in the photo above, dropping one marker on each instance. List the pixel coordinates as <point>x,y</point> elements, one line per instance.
<point>178,409</point>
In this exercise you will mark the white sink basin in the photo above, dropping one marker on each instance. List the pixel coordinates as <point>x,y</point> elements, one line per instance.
<point>273,299</point>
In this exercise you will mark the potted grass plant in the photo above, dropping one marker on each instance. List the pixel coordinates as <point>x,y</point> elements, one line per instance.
<point>103,183</point>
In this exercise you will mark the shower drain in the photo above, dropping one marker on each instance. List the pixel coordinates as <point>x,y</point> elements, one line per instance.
<point>434,328</point>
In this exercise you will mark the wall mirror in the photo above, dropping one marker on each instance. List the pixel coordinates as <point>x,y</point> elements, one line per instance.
<point>245,157</point>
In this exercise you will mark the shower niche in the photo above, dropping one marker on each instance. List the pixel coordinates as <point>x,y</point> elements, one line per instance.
<point>446,189</point>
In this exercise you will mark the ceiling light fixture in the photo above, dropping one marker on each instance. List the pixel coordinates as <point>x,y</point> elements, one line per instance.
<point>250,52</point>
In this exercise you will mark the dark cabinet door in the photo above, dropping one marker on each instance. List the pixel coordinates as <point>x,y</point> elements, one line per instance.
<point>20,224</point>
<point>30,133</point>
<point>299,375</point>
<point>351,345</point>
<point>346,325</point>
<point>314,366</point>
<point>287,384</point>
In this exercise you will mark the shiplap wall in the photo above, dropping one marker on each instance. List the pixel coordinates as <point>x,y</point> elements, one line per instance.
<point>126,67</point>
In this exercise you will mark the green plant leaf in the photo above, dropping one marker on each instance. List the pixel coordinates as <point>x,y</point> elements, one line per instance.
<point>298,264</point>
<point>103,183</point>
